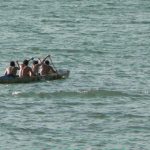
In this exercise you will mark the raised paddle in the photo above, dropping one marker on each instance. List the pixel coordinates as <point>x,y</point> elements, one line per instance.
<point>32,58</point>
<point>52,63</point>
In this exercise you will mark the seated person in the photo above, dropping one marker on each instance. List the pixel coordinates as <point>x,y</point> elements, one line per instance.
<point>12,69</point>
<point>36,65</point>
<point>25,70</point>
<point>46,69</point>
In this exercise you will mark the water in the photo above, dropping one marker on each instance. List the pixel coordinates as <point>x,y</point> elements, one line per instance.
<point>104,104</point>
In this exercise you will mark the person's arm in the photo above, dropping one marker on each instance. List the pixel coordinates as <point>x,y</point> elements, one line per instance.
<point>5,72</point>
<point>32,73</point>
<point>40,62</point>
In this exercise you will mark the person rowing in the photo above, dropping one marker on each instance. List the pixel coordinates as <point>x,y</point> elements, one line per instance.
<point>36,65</point>
<point>25,70</point>
<point>11,71</point>
<point>46,69</point>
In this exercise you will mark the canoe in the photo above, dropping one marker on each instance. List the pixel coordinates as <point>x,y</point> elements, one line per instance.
<point>61,74</point>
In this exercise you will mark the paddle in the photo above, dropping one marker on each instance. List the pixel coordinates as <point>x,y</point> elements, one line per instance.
<point>32,58</point>
<point>52,63</point>
<point>27,60</point>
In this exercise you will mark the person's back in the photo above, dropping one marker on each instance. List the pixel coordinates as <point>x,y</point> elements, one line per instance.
<point>35,67</point>
<point>11,70</point>
<point>47,69</point>
<point>26,71</point>
<point>21,69</point>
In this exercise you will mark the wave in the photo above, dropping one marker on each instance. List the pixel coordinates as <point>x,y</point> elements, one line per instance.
<point>83,93</point>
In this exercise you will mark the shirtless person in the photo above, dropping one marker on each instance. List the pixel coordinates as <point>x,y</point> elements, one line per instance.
<point>47,69</point>
<point>25,70</point>
<point>36,65</point>
<point>12,69</point>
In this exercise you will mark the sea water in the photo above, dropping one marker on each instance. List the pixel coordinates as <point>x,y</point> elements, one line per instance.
<point>105,102</point>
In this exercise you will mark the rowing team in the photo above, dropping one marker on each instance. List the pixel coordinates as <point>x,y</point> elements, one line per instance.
<point>39,67</point>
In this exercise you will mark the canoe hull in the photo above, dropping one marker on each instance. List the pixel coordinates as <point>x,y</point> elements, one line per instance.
<point>9,80</point>
<point>61,74</point>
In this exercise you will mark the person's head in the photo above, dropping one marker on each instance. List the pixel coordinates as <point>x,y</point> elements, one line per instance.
<point>35,62</point>
<point>25,62</point>
<point>12,64</point>
<point>47,62</point>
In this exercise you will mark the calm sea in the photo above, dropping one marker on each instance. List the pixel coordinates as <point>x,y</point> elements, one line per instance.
<point>105,102</point>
